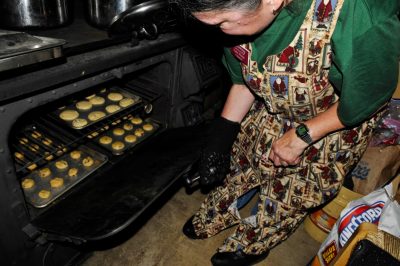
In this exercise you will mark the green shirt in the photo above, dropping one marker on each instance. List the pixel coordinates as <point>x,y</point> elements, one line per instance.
<point>366,53</point>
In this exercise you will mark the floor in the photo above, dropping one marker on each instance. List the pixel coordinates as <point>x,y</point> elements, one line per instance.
<point>160,241</point>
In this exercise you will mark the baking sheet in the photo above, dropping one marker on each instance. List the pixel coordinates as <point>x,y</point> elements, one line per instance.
<point>84,114</point>
<point>128,128</point>
<point>43,183</point>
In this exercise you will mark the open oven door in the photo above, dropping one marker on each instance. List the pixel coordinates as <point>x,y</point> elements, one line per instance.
<point>114,198</point>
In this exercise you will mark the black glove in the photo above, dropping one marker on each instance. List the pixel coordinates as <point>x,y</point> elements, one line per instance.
<point>215,156</point>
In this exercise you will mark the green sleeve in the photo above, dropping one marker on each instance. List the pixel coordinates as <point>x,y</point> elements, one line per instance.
<point>233,67</point>
<point>366,54</point>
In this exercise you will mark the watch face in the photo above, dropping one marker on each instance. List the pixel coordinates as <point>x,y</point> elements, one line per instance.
<point>302,130</point>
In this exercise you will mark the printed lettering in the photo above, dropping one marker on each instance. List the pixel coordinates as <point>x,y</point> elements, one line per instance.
<point>329,253</point>
<point>360,214</point>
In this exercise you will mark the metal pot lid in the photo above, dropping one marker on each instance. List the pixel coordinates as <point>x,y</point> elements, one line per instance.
<point>136,17</point>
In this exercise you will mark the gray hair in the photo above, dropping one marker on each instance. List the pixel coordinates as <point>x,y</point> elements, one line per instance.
<point>190,6</point>
<point>187,7</point>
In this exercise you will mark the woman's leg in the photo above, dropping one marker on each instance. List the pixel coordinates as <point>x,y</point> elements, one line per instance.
<point>258,233</point>
<point>220,208</point>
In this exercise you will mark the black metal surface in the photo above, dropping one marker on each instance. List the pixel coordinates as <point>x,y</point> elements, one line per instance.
<point>112,200</point>
<point>87,65</point>
<point>366,253</point>
<point>80,37</point>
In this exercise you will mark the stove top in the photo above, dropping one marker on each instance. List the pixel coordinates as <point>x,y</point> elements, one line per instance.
<point>80,37</point>
<point>19,49</point>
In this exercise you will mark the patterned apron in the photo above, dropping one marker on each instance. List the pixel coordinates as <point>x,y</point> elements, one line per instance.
<point>293,87</point>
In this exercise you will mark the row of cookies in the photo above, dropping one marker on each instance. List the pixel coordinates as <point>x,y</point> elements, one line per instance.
<point>127,135</point>
<point>96,107</point>
<point>47,183</point>
<point>33,145</point>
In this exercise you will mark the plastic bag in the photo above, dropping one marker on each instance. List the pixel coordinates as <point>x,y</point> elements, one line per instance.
<point>378,207</point>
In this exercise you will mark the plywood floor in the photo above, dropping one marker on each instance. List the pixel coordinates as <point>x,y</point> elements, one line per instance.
<point>160,241</point>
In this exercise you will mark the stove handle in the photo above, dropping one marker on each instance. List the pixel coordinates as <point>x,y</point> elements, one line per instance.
<point>149,31</point>
<point>192,180</point>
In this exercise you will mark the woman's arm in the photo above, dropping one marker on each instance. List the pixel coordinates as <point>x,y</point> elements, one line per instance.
<point>287,149</point>
<point>238,103</point>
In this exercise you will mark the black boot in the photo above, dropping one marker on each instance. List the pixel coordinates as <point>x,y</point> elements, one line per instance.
<point>237,258</point>
<point>188,229</point>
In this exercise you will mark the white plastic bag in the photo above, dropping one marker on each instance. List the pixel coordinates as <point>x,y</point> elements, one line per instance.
<point>378,207</point>
<point>390,218</point>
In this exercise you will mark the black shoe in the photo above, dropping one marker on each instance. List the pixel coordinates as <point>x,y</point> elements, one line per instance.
<point>188,229</point>
<point>237,258</point>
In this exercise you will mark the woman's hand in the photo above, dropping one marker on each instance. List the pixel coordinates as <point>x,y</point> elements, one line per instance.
<point>287,149</point>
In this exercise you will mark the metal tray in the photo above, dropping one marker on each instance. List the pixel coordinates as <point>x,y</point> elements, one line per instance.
<point>102,93</point>
<point>18,49</point>
<point>44,183</point>
<point>126,132</point>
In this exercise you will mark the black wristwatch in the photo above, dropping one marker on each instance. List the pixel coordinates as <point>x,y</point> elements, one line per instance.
<point>303,133</point>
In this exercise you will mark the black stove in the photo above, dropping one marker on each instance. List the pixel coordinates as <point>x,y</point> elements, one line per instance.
<point>181,87</point>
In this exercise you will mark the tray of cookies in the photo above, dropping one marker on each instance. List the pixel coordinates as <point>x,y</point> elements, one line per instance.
<point>84,112</point>
<point>46,184</point>
<point>126,134</point>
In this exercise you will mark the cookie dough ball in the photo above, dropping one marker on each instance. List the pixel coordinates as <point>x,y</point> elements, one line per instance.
<point>60,150</point>
<point>139,132</point>
<point>112,108</point>
<point>73,172</point>
<point>116,122</point>
<point>136,121</point>
<point>96,115</point>
<point>44,172</point>
<point>115,96</point>
<point>32,166</point>
<point>75,154</point>
<point>126,102</point>
<point>128,126</point>
<point>83,105</point>
<point>28,183</point>
<point>118,146</point>
<point>118,131</point>
<point>35,134</point>
<point>47,142</point>
<point>79,122</point>
<point>19,155</point>
<point>48,156</point>
<point>130,138</point>
<point>44,194</point>
<point>23,141</point>
<point>93,135</point>
<point>97,100</point>
<point>57,182</point>
<point>105,140</point>
<point>34,147</point>
<point>87,161</point>
<point>61,165</point>
<point>69,115</point>
<point>148,127</point>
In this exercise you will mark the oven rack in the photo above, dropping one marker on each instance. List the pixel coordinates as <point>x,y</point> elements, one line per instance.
<point>143,89</point>
<point>47,138</point>
<point>37,144</point>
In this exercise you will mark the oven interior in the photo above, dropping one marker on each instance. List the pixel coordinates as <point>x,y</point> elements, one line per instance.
<point>59,149</point>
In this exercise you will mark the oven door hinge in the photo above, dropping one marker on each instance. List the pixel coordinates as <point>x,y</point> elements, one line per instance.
<point>43,237</point>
